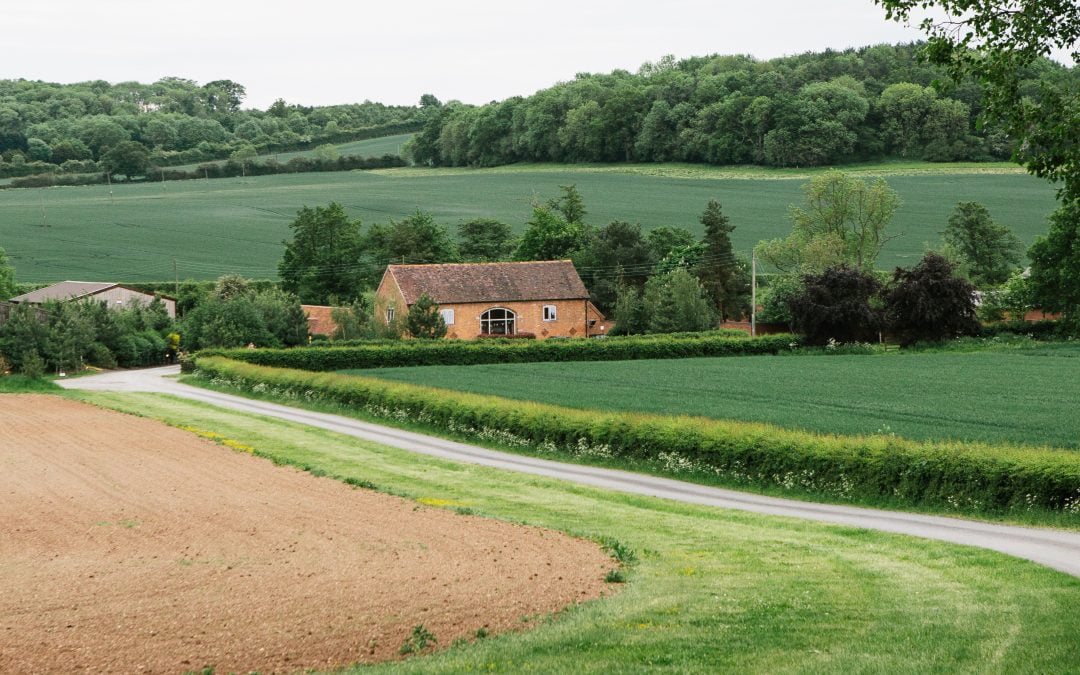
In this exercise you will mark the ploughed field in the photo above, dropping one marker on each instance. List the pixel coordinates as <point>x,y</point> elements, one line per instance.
<point>237,225</point>
<point>1026,396</point>
<point>128,545</point>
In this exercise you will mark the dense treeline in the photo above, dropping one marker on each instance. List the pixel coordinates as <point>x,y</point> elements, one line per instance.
<point>810,109</point>
<point>46,126</point>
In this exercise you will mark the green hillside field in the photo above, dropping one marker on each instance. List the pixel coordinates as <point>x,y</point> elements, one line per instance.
<point>134,232</point>
<point>1025,396</point>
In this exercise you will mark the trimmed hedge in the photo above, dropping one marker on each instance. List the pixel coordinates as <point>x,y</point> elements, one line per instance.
<point>401,353</point>
<point>949,475</point>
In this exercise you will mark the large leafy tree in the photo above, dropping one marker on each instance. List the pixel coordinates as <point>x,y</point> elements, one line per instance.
<point>677,302</point>
<point>615,253</point>
<point>485,240</point>
<point>989,251</point>
<point>1055,265</point>
<point>836,304</point>
<point>843,221</point>
<point>929,303</point>
<point>549,236</point>
<point>128,158</point>
<point>323,260</point>
<point>416,239</point>
<point>997,42</point>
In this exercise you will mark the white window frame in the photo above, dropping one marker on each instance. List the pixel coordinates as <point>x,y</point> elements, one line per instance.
<point>508,319</point>
<point>447,316</point>
<point>554,313</point>
<point>389,315</point>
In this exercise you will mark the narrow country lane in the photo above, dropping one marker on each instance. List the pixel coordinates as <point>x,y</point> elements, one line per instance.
<point>1059,550</point>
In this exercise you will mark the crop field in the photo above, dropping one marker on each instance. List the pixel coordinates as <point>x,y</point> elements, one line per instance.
<point>706,590</point>
<point>369,147</point>
<point>135,232</point>
<point>1024,396</point>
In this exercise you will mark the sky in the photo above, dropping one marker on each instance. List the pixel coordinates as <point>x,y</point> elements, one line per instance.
<point>321,52</point>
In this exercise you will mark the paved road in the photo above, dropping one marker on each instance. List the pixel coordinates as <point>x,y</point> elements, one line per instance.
<point>1056,549</point>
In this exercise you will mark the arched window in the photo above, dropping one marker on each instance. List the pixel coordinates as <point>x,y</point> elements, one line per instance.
<point>498,321</point>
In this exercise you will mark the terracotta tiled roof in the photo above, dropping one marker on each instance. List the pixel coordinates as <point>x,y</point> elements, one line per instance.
<point>490,282</point>
<point>320,322</point>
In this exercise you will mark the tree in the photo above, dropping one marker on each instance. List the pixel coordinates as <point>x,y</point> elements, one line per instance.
<point>927,302</point>
<point>724,277</point>
<point>996,42</point>
<point>571,205</point>
<point>615,253</point>
<point>23,333</point>
<point>844,220</point>
<point>629,313</point>
<point>327,152</point>
<point>8,288</point>
<point>677,302</point>
<point>836,304</point>
<point>424,320</point>
<point>987,250</point>
<point>416,239</point>
<point>549,236</point>
<point>664,240</point>
<point>1055,265</point>
<point>323,260</point>
<point>128,158</point>
<point>485,240</point>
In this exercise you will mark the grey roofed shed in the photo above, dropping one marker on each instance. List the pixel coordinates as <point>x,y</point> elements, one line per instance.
<point>113,294</point>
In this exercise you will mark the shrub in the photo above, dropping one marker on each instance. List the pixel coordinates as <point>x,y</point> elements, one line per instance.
<point>949,475</point>
<point>389,354</point>
<point>33,366</point>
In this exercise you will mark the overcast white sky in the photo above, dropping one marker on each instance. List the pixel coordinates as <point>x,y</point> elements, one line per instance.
<point>317,52</point>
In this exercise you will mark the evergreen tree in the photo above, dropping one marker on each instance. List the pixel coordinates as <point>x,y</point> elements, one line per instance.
<point>424,320</point>
<point>722,274</point>
<point>7,277</point>
<point>677,302</point>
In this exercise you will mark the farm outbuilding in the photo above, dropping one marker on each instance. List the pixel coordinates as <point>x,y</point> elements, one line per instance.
<point>114,295</point>
<point>540,298</point>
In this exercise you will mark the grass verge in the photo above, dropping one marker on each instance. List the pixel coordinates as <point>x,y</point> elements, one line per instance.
<point>711,590</point>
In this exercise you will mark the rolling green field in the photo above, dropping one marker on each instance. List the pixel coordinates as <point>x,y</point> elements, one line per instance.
<point>711,590</point>
<point>369,147</point>
<point>134,232</point>
<point>1024,396</point>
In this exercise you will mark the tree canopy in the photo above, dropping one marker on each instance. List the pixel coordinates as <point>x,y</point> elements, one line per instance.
<point>323,260</point>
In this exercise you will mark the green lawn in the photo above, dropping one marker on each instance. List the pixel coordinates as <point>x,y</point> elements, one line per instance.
<point>1021,396</point>
<point>237,225</point>
<point>712,590</point>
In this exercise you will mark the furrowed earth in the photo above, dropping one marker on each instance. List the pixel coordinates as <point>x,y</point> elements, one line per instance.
<point>129,546</point>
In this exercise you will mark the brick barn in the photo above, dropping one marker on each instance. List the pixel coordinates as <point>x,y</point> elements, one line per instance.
<point>543,298</point>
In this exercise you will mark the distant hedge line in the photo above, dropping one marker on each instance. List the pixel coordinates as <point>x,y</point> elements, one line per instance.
<point>460,352</point>
<point>229,169</point>
<point>948,475</point>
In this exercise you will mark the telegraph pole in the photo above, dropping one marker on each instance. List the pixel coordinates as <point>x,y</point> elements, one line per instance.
<point>753,293</point>
<point>44,220</point>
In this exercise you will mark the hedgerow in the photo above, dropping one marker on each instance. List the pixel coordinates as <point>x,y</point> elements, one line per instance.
<point>948,475</point>
<point>382,354</point>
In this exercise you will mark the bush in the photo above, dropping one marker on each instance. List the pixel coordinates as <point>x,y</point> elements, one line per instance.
<point>33,366</point>
<point>947,475</point>
<point>385,354</point>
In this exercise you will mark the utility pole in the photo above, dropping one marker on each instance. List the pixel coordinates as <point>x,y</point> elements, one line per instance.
<point>206,175</point>
<point>163,180</point>
<point>753,293</point>
<point>108,178</point>
<point>44,220</point>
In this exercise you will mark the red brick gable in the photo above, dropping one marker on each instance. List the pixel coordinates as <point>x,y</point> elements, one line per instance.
<point>457,283</point>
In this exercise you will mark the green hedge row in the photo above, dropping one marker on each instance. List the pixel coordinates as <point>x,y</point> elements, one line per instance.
<point>461,352</point>
<point>950,475</point>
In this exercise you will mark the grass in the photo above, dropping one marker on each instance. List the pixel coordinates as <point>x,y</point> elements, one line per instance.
<point>20,384</point>
<point>1024,396</point>
<point>238,225</point>
<point>369,147</point>
<point>710,590</point>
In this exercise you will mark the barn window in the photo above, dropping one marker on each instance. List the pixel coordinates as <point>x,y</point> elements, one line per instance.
<point>447,316</point>
<point>550,313</point>
<point>498,321</point>
<point>389,315</point>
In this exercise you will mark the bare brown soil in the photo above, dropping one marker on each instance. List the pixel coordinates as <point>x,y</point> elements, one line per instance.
<point>127,545</point>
